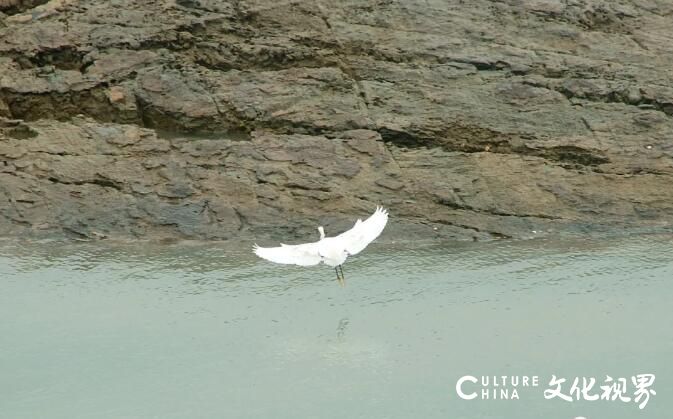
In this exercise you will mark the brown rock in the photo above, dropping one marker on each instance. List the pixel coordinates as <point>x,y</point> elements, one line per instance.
<point>116,94</point>
<point>146,119</point>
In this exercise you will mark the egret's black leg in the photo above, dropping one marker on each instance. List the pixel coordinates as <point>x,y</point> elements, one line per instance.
<point>343,278</point>
<point>339,278</point>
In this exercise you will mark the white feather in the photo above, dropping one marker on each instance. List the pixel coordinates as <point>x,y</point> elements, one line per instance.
<point>364,232</point>
<point>332,251</point>
<point>301,254</point>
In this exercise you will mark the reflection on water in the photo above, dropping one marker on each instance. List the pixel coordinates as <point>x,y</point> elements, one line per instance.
<point>341,329</point>
<point>193,330</point>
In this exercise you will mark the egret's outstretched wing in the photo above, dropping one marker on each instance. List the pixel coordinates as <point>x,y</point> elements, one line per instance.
<point>364,232</point>
<point>299,254</point>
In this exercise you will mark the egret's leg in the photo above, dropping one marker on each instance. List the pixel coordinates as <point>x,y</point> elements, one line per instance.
<point>343,278</point>
<point>339,278</point>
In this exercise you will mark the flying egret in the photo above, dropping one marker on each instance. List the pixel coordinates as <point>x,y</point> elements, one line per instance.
<point>331,251</point>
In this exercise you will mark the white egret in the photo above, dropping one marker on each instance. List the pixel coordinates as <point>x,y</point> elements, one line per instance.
<point>331,251</point>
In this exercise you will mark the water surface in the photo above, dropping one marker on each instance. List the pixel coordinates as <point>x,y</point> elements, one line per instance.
<point>194,331</point>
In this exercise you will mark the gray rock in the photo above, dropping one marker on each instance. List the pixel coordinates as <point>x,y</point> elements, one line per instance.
<point>214,120</point>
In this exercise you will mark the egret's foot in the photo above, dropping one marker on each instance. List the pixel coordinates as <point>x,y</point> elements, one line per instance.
<point>341,281</point>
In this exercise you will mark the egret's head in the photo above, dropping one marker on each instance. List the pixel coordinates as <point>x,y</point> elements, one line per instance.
<point>322,232</point>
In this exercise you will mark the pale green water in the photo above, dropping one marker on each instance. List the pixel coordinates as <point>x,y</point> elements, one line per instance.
<point>95,331</point>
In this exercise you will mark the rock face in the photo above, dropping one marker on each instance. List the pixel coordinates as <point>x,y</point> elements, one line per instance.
<point>215,119</point>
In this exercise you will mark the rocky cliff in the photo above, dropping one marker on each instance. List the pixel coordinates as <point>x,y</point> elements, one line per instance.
<point>215,119</point>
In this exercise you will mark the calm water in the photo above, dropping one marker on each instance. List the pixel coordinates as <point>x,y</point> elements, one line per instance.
<point>110,331</point>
